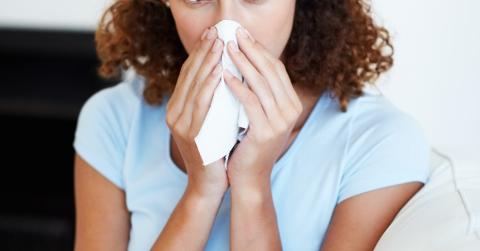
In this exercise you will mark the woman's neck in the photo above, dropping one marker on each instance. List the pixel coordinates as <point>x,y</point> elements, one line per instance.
<point>308,100</point>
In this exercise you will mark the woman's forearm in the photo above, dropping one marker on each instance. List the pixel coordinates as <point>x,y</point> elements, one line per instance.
<point>190,223</point>
<point>253,219</point>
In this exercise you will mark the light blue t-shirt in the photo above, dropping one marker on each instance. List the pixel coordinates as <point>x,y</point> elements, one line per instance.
<point>334,156</point>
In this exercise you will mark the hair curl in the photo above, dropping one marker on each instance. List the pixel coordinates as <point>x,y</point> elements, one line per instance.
<point>334,45</point>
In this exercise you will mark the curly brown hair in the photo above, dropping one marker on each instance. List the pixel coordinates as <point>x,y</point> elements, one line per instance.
<point>334,45</point>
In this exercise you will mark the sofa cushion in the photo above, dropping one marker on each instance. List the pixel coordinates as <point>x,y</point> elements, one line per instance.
<point>443,215</point>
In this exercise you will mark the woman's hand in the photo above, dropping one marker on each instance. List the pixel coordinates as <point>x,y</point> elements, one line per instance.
<point>272,107</point>
<point>186,111</point>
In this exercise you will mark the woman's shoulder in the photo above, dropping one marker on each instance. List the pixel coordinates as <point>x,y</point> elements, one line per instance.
<point>371,112</point>
<point>375,111</point>
<point>110,111</point>
<point>120,98</point>
<point>103,126</point>
<point>114,105</point>
<point>386,146</point>
<point>379,123</point>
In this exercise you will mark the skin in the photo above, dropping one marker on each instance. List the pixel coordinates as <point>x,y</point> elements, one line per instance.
<point>277,109</point>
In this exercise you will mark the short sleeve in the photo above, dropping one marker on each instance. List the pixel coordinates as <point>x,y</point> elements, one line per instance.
<point>384,150</point>
<point>99,136</point>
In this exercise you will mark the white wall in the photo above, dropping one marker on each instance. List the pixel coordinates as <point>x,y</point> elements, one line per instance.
<point>436,76</point>
<point>52,14</point>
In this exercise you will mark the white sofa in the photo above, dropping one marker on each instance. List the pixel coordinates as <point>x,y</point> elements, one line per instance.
<point>443,215</point>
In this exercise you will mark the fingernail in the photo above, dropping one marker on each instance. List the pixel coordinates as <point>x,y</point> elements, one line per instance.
<point>211,33</point>
<point>233,46</point>
<point>205,33</point>
<point>217,46</point>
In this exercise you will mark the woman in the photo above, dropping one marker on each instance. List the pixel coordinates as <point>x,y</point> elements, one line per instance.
<point>322,166</point>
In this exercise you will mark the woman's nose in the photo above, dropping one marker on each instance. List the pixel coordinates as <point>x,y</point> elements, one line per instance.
<point>228,9</point>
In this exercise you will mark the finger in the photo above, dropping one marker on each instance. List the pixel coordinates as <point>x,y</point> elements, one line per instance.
<point>249,100</point>
<point>256,82</point>
<point>286,83</point>
<point>212,58</point>
<point>268,63</point>
<point>200,54</point>
<point>186,65</point>
<point>285,79</point>
<point>210,61</point>
<point>204,98</point>
<point>207,67</point>
<point>190,68</point>
<point>285,95</point>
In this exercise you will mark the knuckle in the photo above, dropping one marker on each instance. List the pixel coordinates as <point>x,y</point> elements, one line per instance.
<point>271,66</point>
<point>270,103</point>
<point>281,127</point>
<point>200,100</point>
<point>176,129</point>
<point>196,80</point>
<point>179,129</point>
<point>170,121</point>
<point>181,132</point>
<point>249,98</point>
<point>264,137</point>
<point>279,65</point>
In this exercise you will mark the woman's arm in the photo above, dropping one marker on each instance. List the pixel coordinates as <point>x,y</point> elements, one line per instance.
<point>359,222</point>
<point>103,221</point>
<point>253,219</point>
<point>273,108</point>
<point>102,218</point>
<point>189,225</point>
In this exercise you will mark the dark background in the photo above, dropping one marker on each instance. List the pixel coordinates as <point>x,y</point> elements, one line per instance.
<point>46,76</point>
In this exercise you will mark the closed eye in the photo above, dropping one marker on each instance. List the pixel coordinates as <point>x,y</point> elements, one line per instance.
<point>194,2</point>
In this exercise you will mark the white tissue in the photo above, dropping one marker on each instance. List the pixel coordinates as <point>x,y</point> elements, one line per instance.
<point>226,120</point>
